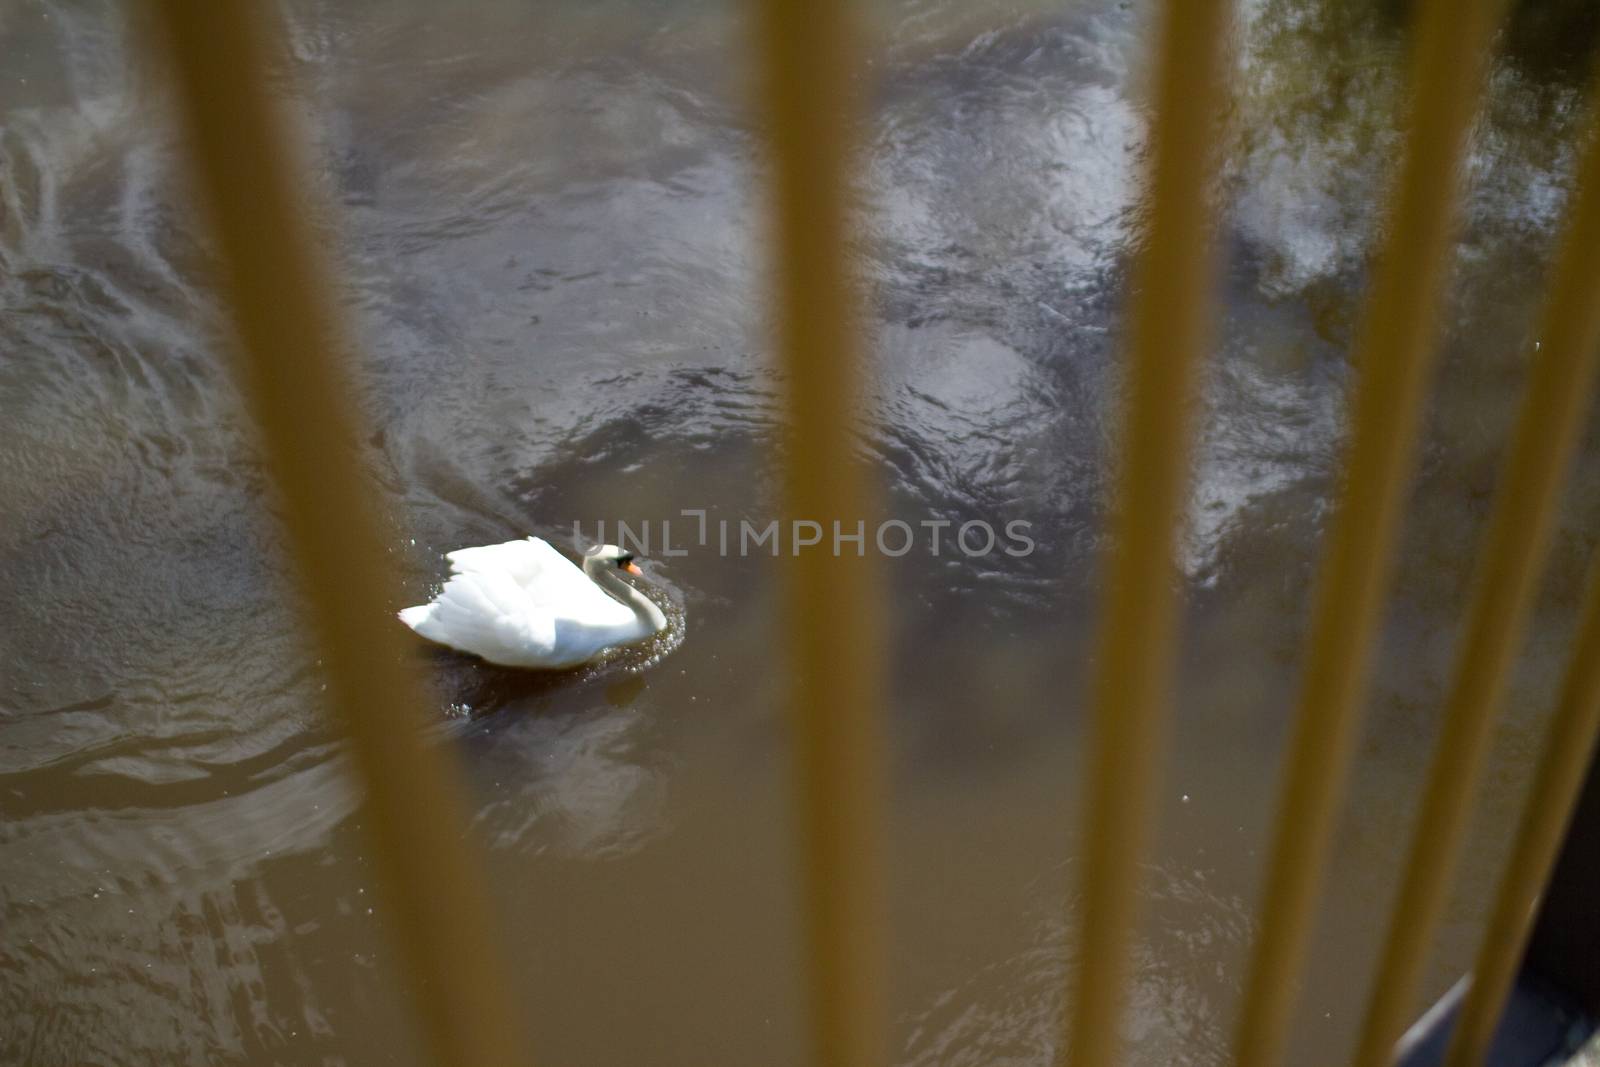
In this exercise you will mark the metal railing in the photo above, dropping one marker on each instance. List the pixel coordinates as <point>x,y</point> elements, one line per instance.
<point>291,345</point>
<point>291,341</point>
<point>1169,331</point>
<point>833,609</point>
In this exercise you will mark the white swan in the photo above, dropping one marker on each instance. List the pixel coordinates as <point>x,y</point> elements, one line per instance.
<point>523,604</point>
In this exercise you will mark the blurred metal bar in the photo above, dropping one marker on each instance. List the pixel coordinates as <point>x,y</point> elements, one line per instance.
<point>1567,754</point>
<point>1395,354</point>
<point>1170,327</point>
<point>282,299</point>
<point>1560,392</point>
<point>807,53</point>
<point>1564,376</point>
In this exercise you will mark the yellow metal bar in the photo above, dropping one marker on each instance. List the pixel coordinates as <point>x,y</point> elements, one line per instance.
<point>1570,342</point>
<point>290,343</point>
<point>1559,396</point>
<point>807,49</point>
<point>1567,752</point>
<point>1170,328</point>
<point>1394,356</point>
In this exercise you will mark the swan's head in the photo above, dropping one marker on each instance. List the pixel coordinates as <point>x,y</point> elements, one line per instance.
<point>611,554</point>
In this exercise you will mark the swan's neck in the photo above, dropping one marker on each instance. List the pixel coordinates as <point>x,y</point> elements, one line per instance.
<point>604,574</point>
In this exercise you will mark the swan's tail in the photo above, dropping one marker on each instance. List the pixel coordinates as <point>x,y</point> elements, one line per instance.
<point>416,617</point>
<point>471,613</point>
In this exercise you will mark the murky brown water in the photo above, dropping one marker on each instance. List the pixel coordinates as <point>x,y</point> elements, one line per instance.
<point>553,251</point>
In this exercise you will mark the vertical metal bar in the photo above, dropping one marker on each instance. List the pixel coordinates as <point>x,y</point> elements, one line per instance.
<point>1567,753</point>
<point>1559,395</point>
<point>1564,374</point>
<point>1170,328</point>
<point>282,302</point>
<point>807,51</point>
<point>1395,354</point>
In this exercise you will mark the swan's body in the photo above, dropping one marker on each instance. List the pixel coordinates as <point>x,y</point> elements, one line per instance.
<point>523,604</point>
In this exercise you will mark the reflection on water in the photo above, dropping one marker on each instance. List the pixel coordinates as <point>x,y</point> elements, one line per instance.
<point>552,247</point>
<point>1180,964</point>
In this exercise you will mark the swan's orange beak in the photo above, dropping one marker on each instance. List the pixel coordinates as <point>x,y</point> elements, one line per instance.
<point>632,568</point>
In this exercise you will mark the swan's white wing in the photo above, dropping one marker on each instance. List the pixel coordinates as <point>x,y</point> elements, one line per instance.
<point>487,615</point>
<point>551,582</point>
<point>532,563</point>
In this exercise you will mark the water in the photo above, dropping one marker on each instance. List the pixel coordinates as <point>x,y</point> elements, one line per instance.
<point>553,250</point>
